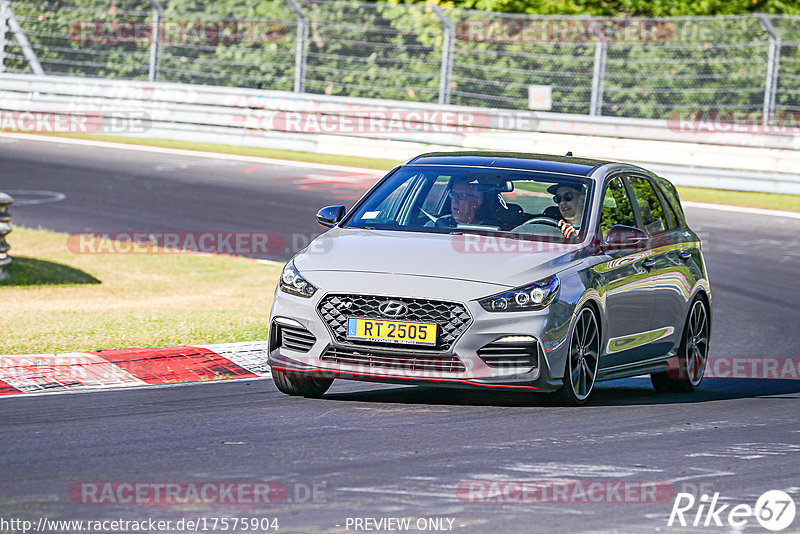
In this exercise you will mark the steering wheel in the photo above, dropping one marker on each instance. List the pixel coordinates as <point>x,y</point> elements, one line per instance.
<point>428,215</point>
<point>433,219</point>
<point>542,220</point>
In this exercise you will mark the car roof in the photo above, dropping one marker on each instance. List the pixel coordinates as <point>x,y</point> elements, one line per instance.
<point>512,160</point>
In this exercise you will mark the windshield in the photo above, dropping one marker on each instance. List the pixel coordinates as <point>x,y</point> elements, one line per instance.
<point>444,199</point>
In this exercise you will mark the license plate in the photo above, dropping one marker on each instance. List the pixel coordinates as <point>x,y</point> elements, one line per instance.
<point>391,331</point>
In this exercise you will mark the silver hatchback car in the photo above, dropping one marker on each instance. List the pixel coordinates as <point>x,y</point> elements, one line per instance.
<point>500,271</point>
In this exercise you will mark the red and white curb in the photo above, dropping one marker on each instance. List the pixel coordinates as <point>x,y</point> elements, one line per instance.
<point>78,371</point>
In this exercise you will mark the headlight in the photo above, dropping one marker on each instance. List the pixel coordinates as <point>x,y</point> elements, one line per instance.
<point>292,282</point>
<point>535,296</point>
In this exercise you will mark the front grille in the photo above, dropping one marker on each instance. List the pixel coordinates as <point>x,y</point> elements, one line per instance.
<point>452,318</point>
<point>373,359</point>
<point>293,337</point>
<point>504,354</point>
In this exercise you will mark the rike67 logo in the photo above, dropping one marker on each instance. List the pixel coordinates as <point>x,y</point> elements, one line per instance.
<point>774,510</point>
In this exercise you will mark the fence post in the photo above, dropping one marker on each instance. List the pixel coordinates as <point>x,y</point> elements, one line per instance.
<point>27,51</point>
<point>4,11</point>
<point>449,30</point>
<point>155,48</point>
<point>773,62</point>
<point>300,50</point>
<point>598,77</point>
<point>5,228</point>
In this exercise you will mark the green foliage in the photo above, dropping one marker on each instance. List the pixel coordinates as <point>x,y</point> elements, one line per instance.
<point>631,8</point>
<point>374,50</point>
<point>192,54</point>
<point>393,50</point>
<point>263,59</point>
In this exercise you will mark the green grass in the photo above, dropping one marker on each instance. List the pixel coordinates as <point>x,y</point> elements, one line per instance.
<point>32,272</point>
<point>770,201</point>
<point>773,201</point>
<point>56,300</point>
<point>535,187</point>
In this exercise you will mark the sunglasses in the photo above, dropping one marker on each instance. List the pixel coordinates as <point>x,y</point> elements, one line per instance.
<point>566,196</point>
<point>461,197</point>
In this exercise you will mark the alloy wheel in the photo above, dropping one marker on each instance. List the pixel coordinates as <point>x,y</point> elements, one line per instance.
<point>696,344</point>
<point>584,352</point>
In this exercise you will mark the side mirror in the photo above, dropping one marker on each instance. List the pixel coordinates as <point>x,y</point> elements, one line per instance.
<point>330,216</point>
<point>622,237</point>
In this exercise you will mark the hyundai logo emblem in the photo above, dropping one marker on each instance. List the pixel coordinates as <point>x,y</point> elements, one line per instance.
<point>392,308</point>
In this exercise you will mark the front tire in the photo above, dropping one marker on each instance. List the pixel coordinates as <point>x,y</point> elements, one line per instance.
<point>583,358</point>
<point>300,386</point>
<point>692,354</point>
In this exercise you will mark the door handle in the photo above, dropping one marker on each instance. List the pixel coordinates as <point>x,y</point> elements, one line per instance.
<point>684,255</point>
<point>648,263</point>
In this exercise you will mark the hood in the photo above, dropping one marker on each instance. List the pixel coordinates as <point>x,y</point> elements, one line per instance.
<point>489,259</point>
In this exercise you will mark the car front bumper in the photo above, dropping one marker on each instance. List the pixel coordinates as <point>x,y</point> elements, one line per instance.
<point>490,353</point>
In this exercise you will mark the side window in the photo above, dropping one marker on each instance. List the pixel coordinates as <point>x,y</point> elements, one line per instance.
<point>650,208</point>
<point>388,209</point>
<point>435,196</point>
<point>670,197</point>
<point>616,207</point>
<point>669,213</point>
<point>390,204</point>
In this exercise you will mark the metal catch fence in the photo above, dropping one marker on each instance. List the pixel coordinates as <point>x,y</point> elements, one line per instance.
<point>642,68</point>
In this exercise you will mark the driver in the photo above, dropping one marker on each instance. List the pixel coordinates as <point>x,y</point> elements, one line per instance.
<point>571,200</point>
<point>465,202</point>
<point>465,206</point>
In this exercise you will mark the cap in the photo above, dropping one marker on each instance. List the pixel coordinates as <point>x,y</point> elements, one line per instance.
<point>554,188</point>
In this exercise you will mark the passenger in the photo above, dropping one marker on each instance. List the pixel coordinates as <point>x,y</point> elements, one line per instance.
<point>571,201</point>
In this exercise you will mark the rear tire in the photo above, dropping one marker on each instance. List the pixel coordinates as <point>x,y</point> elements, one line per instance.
<point>692,354</point>
<point>583,358</point>
<point>300,386</point>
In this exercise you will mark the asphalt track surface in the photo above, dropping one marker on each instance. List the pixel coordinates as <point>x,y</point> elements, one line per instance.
<point>375,451</point>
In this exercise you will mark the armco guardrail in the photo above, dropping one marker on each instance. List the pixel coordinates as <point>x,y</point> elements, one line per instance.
<point>5,229</point>
<point>685,153</point>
